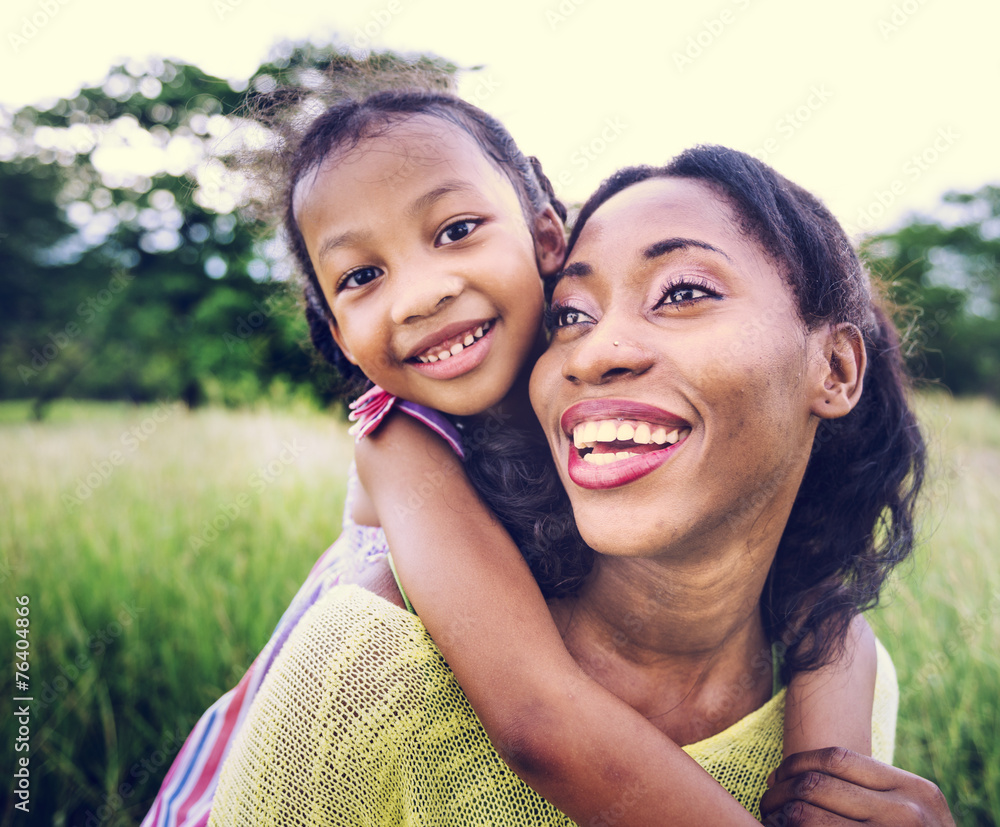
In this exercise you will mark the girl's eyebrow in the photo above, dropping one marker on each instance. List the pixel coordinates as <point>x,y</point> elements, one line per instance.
<point>429,199</point>
<point>348,239</point>
<point>669,245</point>
<point>424,202</point>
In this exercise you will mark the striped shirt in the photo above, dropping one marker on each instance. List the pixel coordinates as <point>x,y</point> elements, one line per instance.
<point>189,787</point>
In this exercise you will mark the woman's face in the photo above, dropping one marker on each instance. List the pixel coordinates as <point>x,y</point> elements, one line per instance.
<point>678,390</point>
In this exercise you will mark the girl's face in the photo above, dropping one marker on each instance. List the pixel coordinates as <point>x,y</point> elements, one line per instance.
<point>423,253</point>
<point>679,388</point>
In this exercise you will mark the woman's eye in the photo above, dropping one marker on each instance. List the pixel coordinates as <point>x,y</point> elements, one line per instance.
<point>556,317</point>
<point>680,293</point>
<point>457,231</point>
<point>360,277</point>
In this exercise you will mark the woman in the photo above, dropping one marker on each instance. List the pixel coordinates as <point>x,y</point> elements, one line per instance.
<point>715,298</point>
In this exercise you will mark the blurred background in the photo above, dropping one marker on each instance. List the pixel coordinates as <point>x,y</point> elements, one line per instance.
<point>173,453</point>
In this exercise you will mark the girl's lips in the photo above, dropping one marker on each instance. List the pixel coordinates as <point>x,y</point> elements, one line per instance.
<point>469,358</point>
<point>446,336</point>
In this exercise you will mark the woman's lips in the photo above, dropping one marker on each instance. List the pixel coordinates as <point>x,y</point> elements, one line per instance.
<point>618,441</point>
<point>454,355</point>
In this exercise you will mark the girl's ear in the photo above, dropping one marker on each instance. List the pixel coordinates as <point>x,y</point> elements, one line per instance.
<point>339,339</point>
<point>841,370</point>
<point>550,242</point>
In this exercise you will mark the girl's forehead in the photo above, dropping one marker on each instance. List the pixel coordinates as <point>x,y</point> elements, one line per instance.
<point>413,142</point>
<point>401,160</point>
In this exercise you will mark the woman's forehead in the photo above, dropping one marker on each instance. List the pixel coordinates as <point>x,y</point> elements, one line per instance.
<point>656,209</point>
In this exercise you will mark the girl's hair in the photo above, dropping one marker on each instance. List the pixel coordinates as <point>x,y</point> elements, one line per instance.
<point>853,517</point>
<point>343,126</point>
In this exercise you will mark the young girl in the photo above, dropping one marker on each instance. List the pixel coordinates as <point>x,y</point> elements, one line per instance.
<point>423,233</point>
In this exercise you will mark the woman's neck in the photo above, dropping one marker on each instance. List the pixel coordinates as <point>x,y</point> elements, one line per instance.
<point>682,643</point>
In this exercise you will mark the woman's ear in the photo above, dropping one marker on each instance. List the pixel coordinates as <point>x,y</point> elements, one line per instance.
<point>841,370</point>
<point>550,242</point>
<point>338,337</point>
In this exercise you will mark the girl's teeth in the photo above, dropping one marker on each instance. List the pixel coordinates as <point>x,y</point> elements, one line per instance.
<point>589,432</point>
<point>458,347</point>
<point>625,431</point>
<point>659,436</point>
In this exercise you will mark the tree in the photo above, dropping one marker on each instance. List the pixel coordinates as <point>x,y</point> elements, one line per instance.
<point>943,275</point>
<point>141,260</point>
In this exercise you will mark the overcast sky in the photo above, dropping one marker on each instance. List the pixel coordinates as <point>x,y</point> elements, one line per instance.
<point>878,106</point>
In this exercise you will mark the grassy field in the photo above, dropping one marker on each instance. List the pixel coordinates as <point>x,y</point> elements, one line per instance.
<point>158,547</point>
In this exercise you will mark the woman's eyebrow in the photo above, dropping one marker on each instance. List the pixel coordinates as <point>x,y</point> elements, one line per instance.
<point>668,245</point>
<point>574,270</point>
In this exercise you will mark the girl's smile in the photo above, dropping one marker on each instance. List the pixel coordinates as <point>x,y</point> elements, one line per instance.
<point>427,262</point>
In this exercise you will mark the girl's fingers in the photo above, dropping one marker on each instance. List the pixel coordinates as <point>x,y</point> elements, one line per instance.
<point>852,787</point>
<point>800,814</point>
<point>841,763</point>
<point>827,793</point>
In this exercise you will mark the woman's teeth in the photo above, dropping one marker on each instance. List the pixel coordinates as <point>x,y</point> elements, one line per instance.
<point>587,436</point>
<point>447,352</point>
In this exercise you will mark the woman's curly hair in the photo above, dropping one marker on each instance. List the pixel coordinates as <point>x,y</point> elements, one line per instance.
<point>853,518</point>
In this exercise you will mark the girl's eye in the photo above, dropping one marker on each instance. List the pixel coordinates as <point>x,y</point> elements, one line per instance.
<point>457,231</point>
<point>684,293</point>
<point>557,317</point>
<point>359,277</point>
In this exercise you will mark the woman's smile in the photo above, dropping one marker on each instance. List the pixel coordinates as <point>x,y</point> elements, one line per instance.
<point>617,441</point>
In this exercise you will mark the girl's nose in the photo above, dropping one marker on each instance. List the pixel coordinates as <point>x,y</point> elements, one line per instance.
<point>421,293</point>
<point>607,352</point>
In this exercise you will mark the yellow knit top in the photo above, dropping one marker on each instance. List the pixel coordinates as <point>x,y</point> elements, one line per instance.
<point>360,722</point>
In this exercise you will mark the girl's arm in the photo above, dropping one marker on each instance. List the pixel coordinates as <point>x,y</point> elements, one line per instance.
<point>832,706</point>
<point>575,743</point>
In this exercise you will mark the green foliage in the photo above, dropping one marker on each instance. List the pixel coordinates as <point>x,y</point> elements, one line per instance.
<point>130,268</point>
<point>944,276</point>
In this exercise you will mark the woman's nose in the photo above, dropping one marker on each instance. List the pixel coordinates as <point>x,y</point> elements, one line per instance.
<point>607,352</point>
<point>421,292</point>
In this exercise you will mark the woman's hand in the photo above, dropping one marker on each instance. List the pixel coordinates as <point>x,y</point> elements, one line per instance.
<point>835,786</point>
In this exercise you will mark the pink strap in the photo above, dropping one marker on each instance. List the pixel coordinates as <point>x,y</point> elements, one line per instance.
<point>369,409</point>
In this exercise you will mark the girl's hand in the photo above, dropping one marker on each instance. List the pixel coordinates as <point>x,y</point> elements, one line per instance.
<point>835,786</point>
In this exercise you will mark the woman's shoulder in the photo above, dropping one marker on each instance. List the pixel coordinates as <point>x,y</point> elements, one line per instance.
<point>742,756</point>
<point>359,712</point>
<point>352,627</point>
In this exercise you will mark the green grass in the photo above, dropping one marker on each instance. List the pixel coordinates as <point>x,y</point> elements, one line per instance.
<point>941,618</point>
<point>134,631</point>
